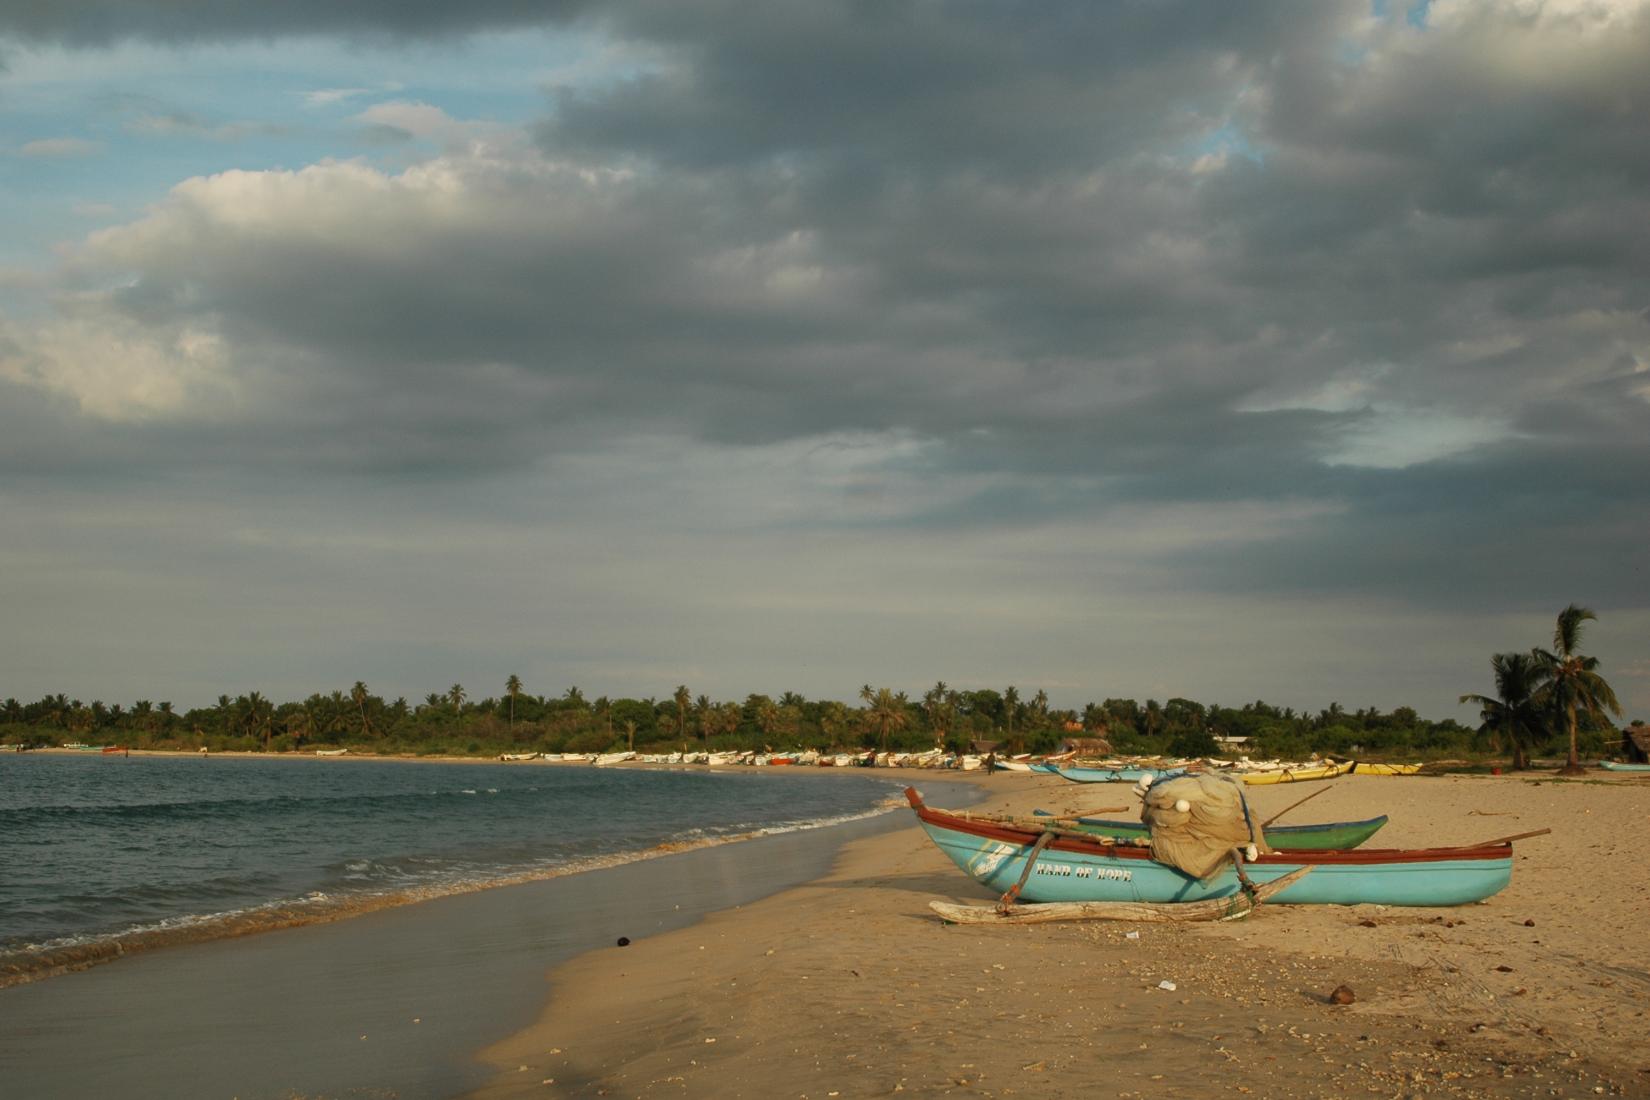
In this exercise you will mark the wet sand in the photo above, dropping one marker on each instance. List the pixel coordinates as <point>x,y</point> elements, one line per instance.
<point>848,986</point>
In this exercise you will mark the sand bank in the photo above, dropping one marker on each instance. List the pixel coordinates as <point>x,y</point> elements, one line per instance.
<point>849,987</point>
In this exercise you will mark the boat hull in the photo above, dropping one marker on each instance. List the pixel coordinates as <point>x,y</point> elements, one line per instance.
<point>1362,768</point>
<point>1080,869</point>
<point>1296,775</point>
<point>1105,775</point>
<point>1611,765</point>
<point>1326,836</point>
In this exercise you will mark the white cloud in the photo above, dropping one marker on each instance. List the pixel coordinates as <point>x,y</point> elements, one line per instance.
<point>115,370</point>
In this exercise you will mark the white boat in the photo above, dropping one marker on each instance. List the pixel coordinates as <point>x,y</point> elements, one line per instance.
<point>722,759</point>
<point>330,752</point>
<point>969,763</point>
<point>518,756</point>
<point>607,758</point>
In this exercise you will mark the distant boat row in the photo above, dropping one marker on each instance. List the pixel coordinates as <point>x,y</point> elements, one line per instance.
<point>934,758</point>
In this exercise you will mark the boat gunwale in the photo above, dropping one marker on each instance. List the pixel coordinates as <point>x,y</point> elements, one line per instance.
<point>1139,826</point>
<point>1066,842</point>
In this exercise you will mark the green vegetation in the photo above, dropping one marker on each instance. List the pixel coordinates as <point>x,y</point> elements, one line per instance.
<point>1545,702</point>
<point>516,720</point>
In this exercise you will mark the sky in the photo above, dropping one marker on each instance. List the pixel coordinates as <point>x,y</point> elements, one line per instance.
<point>1296,352</point>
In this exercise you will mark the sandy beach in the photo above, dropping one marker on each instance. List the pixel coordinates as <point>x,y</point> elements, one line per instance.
<point>849,986</point>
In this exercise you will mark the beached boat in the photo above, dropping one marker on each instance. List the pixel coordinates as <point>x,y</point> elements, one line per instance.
<point>331,752</point>
<point>1612,766</point>
<point>1320,837</point>
<point>1076,868</point>
<point>1365,768</point>
<point>1328,770</point>
<point>607,758</point>
<point>518,756</point>
<point>1125,774</point>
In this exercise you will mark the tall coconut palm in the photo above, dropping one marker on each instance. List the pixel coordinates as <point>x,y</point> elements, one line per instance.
<point>702,708</point>
<point>359,695</point>
<point>683,697</point>
<point>513,686</point>
<point>1570,681</point>
<point>456,696</point>
<point>1511,719</point>
<point>1011,704</point>
<point>887,714</point>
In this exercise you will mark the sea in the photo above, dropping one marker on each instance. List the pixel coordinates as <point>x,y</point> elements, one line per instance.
<point>105,855</point>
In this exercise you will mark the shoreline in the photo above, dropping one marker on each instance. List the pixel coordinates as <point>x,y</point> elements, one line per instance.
<point>392,1003</point>
<point>54,959</point>
<point>848,985</point>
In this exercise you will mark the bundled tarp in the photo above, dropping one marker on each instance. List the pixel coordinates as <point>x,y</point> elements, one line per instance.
<point>1196,821</point>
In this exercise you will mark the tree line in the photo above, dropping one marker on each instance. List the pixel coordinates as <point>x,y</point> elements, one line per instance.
<point>1546,700</point>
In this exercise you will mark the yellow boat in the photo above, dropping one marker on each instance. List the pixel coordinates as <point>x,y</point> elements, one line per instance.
<point>1365,768</point>
<point>1327,770</point>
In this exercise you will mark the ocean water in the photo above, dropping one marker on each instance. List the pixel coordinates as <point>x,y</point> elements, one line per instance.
<point>102,855</point>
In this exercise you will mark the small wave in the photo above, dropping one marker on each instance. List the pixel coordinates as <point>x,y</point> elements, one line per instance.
<point>394,885</point>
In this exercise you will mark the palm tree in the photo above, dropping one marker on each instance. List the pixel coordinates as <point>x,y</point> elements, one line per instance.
<point>1011,703</point>
<point>1570,681</point>
<point>703,707</point>
<point>359,695</point>
<point>513,686</point>
<point>456,696</point>
<point>1511,719</point>
<point>683,697</point>
<point>887,714</point>
<point>936,707</point>
<point>259,715</point>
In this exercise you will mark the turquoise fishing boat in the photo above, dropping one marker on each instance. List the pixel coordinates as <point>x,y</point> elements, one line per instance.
<point>1340,835</point>
<point>1612,766</point>
<point>1111,775</point>
<point>994,853</point>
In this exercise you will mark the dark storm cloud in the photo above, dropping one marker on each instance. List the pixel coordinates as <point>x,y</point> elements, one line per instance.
<point>100,22</point>
<point>1108,253</point>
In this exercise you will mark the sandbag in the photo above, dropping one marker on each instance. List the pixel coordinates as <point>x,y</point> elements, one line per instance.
<point>1199,838</point>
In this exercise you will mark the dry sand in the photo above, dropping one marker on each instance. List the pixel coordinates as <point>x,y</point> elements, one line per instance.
<point>850,987</point>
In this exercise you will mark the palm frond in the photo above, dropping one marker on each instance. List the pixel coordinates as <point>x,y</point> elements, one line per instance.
<point>1567,632</point>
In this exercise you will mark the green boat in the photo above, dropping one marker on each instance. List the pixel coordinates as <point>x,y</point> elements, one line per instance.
<point>1333,835</point>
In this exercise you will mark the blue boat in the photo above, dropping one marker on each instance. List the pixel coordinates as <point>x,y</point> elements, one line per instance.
<point>1612,766</point>
<point>1330,834</point>
<point>1111,775</point>
<point>1074,867</point>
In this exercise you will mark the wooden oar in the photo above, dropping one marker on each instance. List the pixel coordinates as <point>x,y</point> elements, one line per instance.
<point>1506,839</point>
<point>1292,805</point>
<point>1235,907</point>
